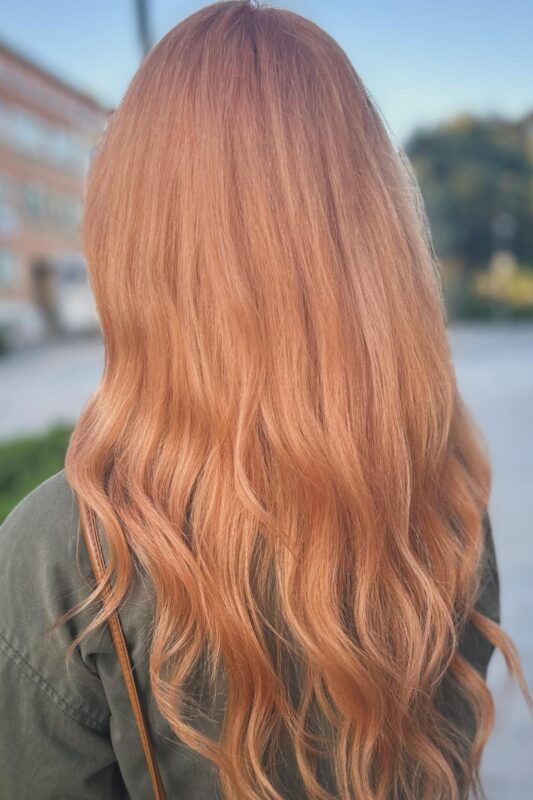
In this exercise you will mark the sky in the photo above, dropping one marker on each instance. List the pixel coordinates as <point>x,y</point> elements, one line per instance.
<point>422,62</point>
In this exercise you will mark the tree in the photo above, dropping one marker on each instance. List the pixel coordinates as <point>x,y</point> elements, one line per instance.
<point>476,176</point>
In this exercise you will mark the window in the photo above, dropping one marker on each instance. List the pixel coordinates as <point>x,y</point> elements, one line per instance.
<point>5,186</point>
<point>8,268</point>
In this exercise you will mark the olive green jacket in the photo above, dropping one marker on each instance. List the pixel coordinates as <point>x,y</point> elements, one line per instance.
<point>70,734</point>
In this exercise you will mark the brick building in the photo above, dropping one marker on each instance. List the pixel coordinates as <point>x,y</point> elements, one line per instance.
<point>47,132</point>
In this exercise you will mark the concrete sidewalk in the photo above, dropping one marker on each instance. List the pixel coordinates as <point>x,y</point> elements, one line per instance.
<point>495,372</point>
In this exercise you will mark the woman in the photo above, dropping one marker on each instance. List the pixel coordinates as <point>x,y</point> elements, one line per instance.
<point>291,495</point>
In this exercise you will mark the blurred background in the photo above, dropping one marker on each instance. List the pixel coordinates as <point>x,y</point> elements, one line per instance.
<point>454,82</point>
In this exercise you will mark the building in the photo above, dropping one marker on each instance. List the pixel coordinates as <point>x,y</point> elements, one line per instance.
<point>47,132</point>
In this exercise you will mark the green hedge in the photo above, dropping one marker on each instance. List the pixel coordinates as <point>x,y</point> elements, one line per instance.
<point>27,461</point>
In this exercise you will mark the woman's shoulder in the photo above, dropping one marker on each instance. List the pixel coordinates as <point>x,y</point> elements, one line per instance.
<point>42,521</point>
<point>39,564</point>
<point>45,571</point>
<point>64,708</point>
<point>43,574</point>
<point>39,549</point>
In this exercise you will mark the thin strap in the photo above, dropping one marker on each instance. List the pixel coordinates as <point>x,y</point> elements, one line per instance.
<point>96,556</point>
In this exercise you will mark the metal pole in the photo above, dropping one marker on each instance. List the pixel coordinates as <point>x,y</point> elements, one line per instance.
<point>143,25</point>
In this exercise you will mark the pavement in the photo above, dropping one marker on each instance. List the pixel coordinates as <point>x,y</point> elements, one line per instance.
<point>494,367</point>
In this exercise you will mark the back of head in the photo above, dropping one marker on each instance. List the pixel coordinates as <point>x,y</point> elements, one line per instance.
<point>277,438</point>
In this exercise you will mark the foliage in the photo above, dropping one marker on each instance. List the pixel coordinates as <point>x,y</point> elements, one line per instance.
<point>506,282</point>
<point>476,176</point>
<point>27,461</point>
<point>504,290</point>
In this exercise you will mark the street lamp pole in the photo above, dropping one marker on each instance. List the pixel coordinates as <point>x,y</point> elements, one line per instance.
<point>143,25</point>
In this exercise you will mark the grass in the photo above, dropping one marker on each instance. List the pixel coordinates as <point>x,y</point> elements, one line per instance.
<point>27,461</point>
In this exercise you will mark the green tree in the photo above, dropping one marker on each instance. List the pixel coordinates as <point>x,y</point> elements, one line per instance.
<point>476,176</point>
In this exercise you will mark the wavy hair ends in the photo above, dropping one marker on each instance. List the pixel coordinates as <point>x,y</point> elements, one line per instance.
<point>277,440</point>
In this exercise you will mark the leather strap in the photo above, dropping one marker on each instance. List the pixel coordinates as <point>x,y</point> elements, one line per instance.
<point>96,556</point>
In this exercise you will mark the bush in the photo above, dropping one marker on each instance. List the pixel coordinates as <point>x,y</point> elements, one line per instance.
<point>27,461</point>
<point>501,291</point>
<point>507,284</point>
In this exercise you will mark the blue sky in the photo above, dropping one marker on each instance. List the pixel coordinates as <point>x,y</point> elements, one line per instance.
<point>421,61</point>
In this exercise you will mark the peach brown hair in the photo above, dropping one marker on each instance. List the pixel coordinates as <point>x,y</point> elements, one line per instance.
<point>278,440</point>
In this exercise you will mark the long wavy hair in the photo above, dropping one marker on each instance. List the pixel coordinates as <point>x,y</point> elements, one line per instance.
<point>277,440</point>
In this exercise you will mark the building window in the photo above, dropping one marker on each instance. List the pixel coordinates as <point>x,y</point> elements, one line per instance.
<point>8,268</point>
<point>5,186</point>
<point>50,208</point>
<point>34,201</point>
